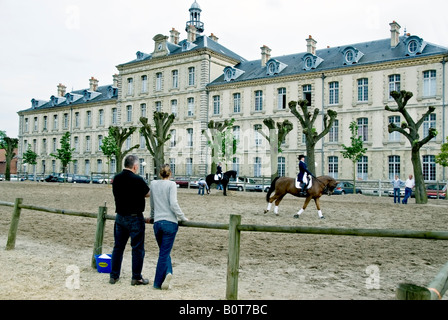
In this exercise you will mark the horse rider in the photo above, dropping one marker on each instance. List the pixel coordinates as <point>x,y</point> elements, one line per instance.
<point>219,171</point>
<point>302,177</point>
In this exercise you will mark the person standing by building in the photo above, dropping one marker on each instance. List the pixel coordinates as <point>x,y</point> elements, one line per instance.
<point>165,213</point>
<point>202,185</point>
<point>397,183</point>
<point>409,184</point>
<point>129,191</point>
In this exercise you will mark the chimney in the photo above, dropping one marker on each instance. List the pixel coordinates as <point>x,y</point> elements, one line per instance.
<point>394,34</point>
<point>115,80</point>
<point>213,37</point>
<point>61,90</point>
<point>191,31</point>
<point>265,55</point>
<point>174,38</point>
<point>311,45</point>
<point>93,84</point>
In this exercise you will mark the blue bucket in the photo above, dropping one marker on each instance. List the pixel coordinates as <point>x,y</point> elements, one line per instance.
<point>103,264</point>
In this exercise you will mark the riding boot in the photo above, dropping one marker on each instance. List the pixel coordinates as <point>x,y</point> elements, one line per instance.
<point>304,187</point>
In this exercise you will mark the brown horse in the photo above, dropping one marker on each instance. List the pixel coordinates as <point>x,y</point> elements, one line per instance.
<point>284,185</point>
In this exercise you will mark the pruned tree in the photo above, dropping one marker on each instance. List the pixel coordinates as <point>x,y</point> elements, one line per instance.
<point>355,151</point>
<point>156,137</point>
<point>121,135</point>
<point>307,120</point>
<point>410,129</point>
<point>9,144</point>
<point>277,134</point>
<point>29,157</point>
<point>64,153</point>
<point>109,147</point>
<point>222,144</point>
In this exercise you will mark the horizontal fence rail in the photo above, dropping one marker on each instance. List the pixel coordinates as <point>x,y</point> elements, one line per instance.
<point>435,290</point>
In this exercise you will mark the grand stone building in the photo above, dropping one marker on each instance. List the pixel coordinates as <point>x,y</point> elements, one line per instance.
<point>199,80</point>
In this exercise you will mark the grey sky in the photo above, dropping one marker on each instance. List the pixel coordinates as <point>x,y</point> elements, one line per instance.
<point>47,42</point>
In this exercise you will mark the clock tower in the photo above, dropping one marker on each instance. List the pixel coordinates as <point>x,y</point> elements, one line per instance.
<point>195,18</point>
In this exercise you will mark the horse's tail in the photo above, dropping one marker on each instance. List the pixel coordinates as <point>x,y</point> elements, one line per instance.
<point>271,189</point>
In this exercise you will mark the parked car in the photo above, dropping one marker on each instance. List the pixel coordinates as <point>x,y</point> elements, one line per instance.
<point>102,179</point>
<point>51,178</point>
<point>195,184</point>
<point>250,184</point>
<point>182,182</point>
<point>345,188</point>
<point>81,179</point>
<point>65,177</point>
<point>431,191</point>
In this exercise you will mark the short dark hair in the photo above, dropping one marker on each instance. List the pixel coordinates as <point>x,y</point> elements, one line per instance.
<point>130,161</point>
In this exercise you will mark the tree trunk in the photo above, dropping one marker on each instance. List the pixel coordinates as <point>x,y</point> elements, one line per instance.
<point>310,158</point>
<point>420,189</point>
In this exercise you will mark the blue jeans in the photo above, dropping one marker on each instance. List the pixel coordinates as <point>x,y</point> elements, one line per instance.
<point>407,194</point>
<point>128,227</point>
<point>165,233</point>
<point>396,195</point>
<point>201,188</point>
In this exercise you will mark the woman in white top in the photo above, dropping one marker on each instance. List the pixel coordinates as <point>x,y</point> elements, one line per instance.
<point>165,212</point>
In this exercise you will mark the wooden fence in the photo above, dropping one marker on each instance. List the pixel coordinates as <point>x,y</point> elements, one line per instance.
<point>434,291</point>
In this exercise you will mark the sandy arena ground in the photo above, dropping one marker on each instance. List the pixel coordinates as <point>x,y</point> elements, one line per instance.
<point>52,248</point>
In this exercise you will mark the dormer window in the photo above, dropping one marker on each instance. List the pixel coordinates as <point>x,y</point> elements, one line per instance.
<point>274,67</point>
<point>351,55</point>
<point>414,45</point>
<point>311,61</point>
<point>186,45</point>
<point>231,73</point>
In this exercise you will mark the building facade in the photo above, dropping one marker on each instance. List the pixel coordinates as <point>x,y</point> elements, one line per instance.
<point>200,80</point>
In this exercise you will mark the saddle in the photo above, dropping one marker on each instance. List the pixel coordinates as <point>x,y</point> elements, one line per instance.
<point>218,177</point>
<point>299,184</point>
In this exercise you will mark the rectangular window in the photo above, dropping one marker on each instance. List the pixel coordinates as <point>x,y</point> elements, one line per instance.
<point>35,124</point>
<point>216,105</point>
<point>237,102</point>
<point>101,117</point>
<point>142,141</point>
<point>363,128</point>
<point>394,84</point>
<point>189,137</point>
<point>334,93</point>
<point>77,120</point>
<point>258,100</point>
<point>333,167</point>
<point>307,93</point>
<point>363,168</point>
<point>281,98</point>
<point>88,118</point>
<point>88,145</point>
<point>189,168</point>
<point>333,134</point>
<point>143,110</point>
<point>191,76</point>
<point>144,84</point>
<point>99,165</point>
<point>45,123</point>
<point>429,122</point>
<point>394,167</point>
<point>236,164</point>
<point>190,107</point>
<point>175,77</point>
<point>394,136</point>
<point>100,143</point>
<point>257,167</point>
<point>173,138</point>
<point>114,116</point>
<point>258,136</point>
<point>159,106</point>
<point>236,134</point>
<point>429,83</point>
<point>130,86</point>
<point>76,142</point>
<point>128,113</point>
<point>173,166</point>
<point>281,167</point>
<point>65,121</point>
<point>158,81</point>
<point>174,107</point>
<point>55,123</point>
<point>141,169</point>
<point>363,90</point>
<point>429,168</point>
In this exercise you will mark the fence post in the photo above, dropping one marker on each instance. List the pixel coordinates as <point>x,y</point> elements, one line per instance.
<point>11,243</point>
<point>233,261</point>
<point>100,223</point>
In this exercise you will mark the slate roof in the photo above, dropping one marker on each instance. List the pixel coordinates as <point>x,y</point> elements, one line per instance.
<point>200,43</point>
<point>76,97</point>
<point>374,52</point>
